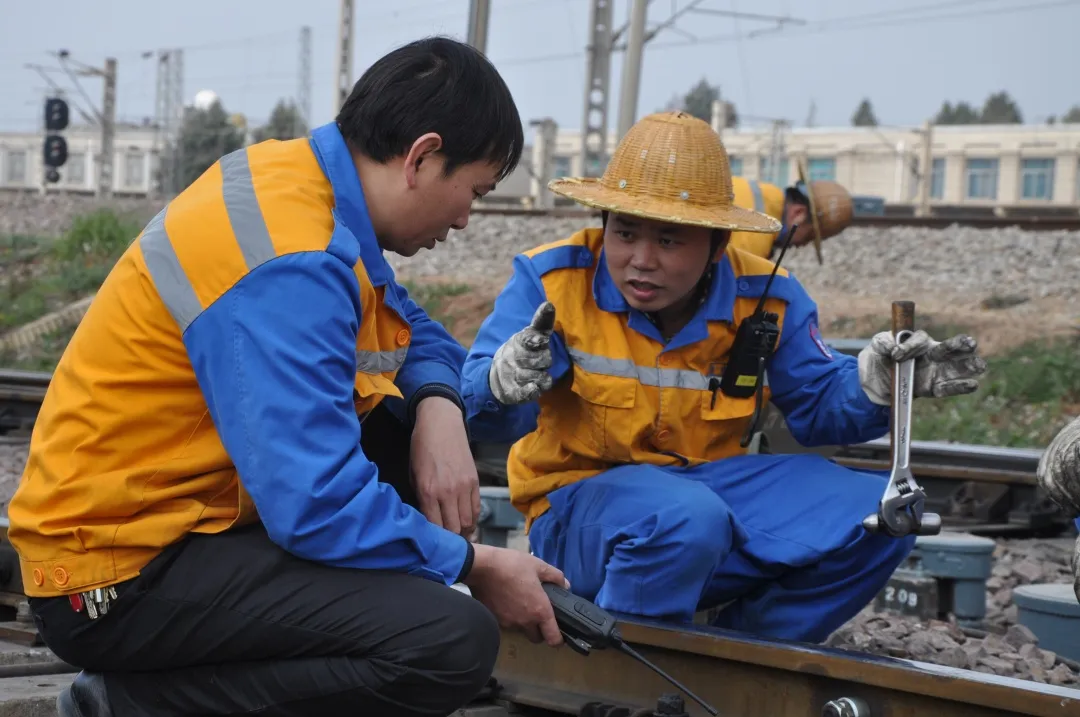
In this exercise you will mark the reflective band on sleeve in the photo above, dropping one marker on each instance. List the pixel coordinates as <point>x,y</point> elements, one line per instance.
<point>172,283</point>
<point>645,375</point>
<point>759,201</point>
<point>380,361</point>
<point>243,208</point>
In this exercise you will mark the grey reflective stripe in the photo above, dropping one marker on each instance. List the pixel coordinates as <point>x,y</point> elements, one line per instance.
<point>380,361</point>
<point>759,201</point>
<point>172,284</point>
<point>243,207</point>
<point>248,227</point>
<point>645,375</point>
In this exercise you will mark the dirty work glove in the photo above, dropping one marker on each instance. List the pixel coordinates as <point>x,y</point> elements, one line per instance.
<point>942,368</point>
<point>1059,475</point>
<point>1059,469</point>
<point>519,368</point>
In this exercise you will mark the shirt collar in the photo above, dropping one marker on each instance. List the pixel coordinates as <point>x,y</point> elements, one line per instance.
<point>350,207</point>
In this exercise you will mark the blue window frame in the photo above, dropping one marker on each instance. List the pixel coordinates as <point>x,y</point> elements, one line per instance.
<point>982,178</point>
<point>1037,178</point>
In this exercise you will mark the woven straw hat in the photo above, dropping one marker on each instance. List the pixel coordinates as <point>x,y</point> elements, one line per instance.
<point>671,167</point>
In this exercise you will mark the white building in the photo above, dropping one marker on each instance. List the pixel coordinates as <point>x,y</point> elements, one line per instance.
<point>1014,168</point>
<point>22,160</point>
<point>988,167</point>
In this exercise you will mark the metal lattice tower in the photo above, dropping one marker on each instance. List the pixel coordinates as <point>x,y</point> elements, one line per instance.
<point>343,70</point>
<point>597,84</point>
<point>169,116</point>
<point>303,90</point>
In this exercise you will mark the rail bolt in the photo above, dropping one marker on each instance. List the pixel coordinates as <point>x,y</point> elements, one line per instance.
<point>845,707</point>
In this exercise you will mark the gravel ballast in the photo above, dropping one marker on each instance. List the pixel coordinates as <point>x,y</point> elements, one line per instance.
<point>1001,646</point>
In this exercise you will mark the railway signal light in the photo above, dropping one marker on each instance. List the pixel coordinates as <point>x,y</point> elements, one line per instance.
<point>57,114</point>
<point>56,150</point>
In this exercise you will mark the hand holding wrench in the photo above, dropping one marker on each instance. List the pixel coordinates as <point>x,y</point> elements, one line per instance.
<point>900,512</point>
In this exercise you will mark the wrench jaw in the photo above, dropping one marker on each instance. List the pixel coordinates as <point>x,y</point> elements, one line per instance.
<point>900,512</point>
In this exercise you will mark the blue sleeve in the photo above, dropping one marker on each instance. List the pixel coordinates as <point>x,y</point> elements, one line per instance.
<point>489,420</point>
<point>819,392</point>
<point>276,360</point>
<point>434,358</point>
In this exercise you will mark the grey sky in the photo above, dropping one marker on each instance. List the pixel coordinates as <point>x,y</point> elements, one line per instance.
<point>907,56</point>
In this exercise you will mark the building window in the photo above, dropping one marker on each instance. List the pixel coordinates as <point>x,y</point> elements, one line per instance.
<point>820,168</point>
<point>596,166</point>
<point>560,167</point>
<point>75,169</point>
<point>1037,179</point>
<point>766,171</point>
<point>134,166</point>
<point>736,166</point>
<point>982,178</point>
<point>937,178</point>
<point>15,171</point>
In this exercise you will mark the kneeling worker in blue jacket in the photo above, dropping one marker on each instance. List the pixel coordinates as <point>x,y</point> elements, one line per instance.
<point>602,360</point>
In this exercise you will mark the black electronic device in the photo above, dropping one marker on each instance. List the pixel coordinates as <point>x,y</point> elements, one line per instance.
<point>586,627</point>
<point>755,341</point>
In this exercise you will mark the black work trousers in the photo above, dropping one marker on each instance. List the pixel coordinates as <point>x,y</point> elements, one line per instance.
<point>231,624</point>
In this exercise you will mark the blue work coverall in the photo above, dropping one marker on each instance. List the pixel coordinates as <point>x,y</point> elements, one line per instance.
<point>778,537</point>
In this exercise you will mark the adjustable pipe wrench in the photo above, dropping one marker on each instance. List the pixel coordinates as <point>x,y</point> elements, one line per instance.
<point>900,511</point>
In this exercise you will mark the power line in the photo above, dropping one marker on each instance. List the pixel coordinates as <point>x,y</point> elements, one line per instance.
<point>815,28</point>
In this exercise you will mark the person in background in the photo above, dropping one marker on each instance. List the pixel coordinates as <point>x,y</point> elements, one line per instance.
<point>829,201</point>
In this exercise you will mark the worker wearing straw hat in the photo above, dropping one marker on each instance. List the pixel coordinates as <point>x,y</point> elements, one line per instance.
<point>603,360</point>
<point>820,209</point>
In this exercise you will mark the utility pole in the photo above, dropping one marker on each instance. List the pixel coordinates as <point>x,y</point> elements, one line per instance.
<point>927,169</point>
<point>776,153</point>
<point>603,41</point>
<point>170,117</point>
<point>479,18</point>
<point>631,79</point>
<point>597,80</point>
<point>343,71</point>
<point>108,131</point>
<point>303,90</point>
<point>543,149</point>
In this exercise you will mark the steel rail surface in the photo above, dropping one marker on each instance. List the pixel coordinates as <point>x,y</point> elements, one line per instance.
<point>745,676</point>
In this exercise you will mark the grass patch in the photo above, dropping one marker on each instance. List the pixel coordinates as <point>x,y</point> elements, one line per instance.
<point>41,356</point>
<point>46,275</point>
<point>1027,395</point>
<point>433,298</point>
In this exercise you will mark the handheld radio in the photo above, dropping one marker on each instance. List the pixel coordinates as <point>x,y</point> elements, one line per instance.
<point>755,341</point>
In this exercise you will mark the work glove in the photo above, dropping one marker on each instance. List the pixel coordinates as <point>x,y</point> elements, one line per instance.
<point>1059,475</point>
<point>942,368</point>
<point>1059,468</point>
<point>519,368</point>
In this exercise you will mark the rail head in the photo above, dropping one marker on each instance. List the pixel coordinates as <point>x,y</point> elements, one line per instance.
<point>744,675</point>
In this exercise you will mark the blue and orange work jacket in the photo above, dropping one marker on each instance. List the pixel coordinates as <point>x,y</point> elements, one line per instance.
<point>220,376</point>
<point>624,396</point>
<point>764,198</point>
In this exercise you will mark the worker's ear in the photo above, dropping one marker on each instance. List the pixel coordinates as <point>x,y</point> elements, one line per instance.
<point>720,240</point>
<point>421,151</point>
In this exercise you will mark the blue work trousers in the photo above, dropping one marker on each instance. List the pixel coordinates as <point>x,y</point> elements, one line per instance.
<point>780,536</point>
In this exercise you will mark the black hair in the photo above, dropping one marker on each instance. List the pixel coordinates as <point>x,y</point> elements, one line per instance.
<point>436,84</point>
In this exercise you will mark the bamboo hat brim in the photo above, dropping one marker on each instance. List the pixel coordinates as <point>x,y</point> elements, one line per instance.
<point>670,167</point>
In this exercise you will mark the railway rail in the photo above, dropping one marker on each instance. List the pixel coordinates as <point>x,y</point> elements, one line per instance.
<point>21,394</point>
<point>1069,222</point>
